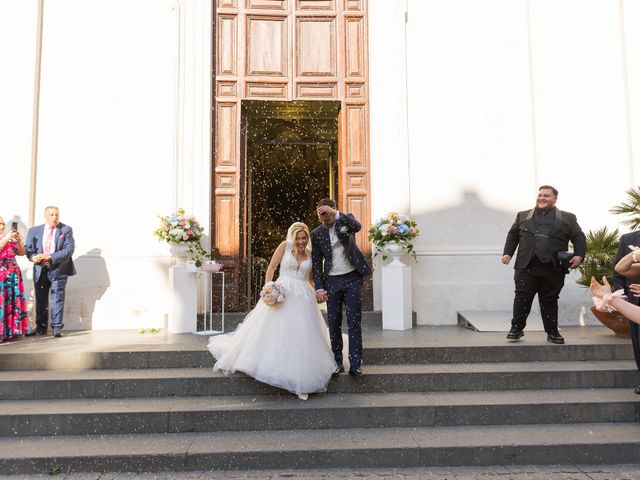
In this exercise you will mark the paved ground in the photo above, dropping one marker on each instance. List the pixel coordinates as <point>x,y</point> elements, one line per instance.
<point>518,472</point>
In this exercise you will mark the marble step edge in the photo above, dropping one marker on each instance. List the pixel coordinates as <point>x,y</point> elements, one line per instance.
<point>103,417</point>
<point>372,356</point>
<point>604,443</point>
<point>387,379</point>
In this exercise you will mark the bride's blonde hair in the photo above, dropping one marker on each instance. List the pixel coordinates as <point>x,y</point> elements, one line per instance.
<point>296,228</point>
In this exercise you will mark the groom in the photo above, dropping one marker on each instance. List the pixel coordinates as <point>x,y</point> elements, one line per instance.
<point>338,270</point>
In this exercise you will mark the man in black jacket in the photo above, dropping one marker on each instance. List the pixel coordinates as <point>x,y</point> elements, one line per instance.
<point>620,281</point>
<point>539,234</point>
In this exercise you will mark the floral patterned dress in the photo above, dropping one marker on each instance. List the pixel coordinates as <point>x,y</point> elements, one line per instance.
<point>13,306</point>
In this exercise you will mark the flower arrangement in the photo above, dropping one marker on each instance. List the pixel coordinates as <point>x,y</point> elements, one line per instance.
<point>181,228</point>
<point>394,228</point>
<point>272,293</point>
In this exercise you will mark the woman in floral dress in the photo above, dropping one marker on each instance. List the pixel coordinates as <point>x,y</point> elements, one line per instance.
<point>13,307</point>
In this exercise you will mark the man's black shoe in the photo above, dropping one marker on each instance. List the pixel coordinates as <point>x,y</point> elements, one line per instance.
<point>637,390</point>
<point>515,334</point>
<point>38,332</point>
<point>58,333</point>
<point>357,373</point>
<point>556,338</point>
<point>339,369</point>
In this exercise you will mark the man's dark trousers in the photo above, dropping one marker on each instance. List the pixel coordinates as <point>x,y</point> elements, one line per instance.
<point>345,290</point>
<point>542,279</point>
<point>55,289</point>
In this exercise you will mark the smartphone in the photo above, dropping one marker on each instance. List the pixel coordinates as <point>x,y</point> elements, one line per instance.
<point>14,226</point>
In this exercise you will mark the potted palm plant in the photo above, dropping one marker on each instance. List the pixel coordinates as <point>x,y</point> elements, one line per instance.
<point>602,246</point>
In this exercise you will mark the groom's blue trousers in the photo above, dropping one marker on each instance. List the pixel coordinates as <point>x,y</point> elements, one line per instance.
<point>345,290</point>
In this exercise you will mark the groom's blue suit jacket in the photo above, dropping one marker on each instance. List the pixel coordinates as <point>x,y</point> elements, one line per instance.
<point>322,256</point>
<point>61,262</point>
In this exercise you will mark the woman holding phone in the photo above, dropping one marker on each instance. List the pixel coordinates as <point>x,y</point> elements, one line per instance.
<point>13,306</point>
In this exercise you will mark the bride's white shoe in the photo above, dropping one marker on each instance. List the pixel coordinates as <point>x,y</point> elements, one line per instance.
<point>303,396</point>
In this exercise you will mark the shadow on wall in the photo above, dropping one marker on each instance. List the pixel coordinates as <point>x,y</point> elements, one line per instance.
<point>469,227</point>
<point>85,289</point>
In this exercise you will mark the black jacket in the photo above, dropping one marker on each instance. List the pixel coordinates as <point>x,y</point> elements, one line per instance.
<point>522,236</point>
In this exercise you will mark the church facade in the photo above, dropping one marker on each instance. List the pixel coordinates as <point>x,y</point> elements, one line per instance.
<point>246,112</point>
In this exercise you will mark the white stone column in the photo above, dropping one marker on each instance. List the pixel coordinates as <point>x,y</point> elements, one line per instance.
<point>388,104</point>
<point>193,144</point>
<point>193,109</point>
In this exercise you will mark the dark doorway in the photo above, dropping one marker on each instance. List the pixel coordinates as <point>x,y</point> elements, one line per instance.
<point>291,161</point>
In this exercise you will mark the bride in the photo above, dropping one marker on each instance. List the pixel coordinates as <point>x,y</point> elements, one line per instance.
<point>286,345</point>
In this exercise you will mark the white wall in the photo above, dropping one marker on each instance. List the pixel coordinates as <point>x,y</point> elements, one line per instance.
<point>473,105</point>
<point>106,151</point>
<point>504,96</point>
<point>113,153</point>
<point>17,60</point>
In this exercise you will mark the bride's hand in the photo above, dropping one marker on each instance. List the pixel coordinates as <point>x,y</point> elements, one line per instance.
<point>598,290</point>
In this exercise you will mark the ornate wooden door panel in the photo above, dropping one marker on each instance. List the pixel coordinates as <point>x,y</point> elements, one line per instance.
<point>288,50</point>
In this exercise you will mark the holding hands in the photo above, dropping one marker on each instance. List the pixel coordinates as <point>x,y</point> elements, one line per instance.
<point>41,258</point>
<point>321,296</point>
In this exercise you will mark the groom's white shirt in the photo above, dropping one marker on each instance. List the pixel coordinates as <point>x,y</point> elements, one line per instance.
<point>340,262</point>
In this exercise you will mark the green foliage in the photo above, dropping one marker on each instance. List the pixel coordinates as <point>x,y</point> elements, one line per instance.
<point>602,246</point>
<point>630,208</point>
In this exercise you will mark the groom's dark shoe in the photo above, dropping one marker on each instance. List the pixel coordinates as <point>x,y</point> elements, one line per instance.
<point>515,333</point>
<point>555,337</point>
<point>339,369</point>
<point>356,373</point>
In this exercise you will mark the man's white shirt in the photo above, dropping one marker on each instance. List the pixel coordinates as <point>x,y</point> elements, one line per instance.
<point>341,263</point>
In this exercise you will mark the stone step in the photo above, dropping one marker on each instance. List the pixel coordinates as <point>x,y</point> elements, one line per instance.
<point>370,319</point>
<point>190,356</point>
<point>567,444</point>
<point>165,382</point>
<point>343,411</point>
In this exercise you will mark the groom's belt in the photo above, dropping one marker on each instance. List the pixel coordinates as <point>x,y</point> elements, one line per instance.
<point>343,274</point>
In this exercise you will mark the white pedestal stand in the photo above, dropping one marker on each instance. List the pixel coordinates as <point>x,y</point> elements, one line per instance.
<point>208,312</point>
<point>183,300</point>
<point>396,295</point>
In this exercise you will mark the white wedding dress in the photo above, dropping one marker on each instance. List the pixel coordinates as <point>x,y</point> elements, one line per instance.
<point>287,345</point>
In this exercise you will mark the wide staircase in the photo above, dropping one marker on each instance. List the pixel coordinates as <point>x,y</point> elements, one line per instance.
<point>151,409</point>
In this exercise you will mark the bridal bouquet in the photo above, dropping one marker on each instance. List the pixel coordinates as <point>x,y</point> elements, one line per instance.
<point>181,228</point>
<point>272,293</point>
<point>394,228</point>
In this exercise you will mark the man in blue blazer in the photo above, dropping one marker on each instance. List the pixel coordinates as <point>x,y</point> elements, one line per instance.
<point>50,247</point>
<point>338,271</point>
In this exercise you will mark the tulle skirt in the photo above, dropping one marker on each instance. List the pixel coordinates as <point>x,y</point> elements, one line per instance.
<point>286,346</point>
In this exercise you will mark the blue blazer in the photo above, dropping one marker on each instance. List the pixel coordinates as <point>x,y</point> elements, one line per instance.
<point>322,256</point>
<point>61,262</point>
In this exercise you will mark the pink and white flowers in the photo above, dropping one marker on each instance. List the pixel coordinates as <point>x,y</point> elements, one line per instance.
<point>394,227</point>
<point>179,227</point>
<point>272,293</point>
